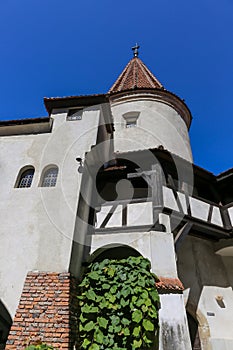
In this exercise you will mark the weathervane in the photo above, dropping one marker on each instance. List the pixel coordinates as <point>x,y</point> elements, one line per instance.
<point>135,50</point>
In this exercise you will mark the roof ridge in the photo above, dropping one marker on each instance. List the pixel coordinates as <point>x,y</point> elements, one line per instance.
<point>150,74</point>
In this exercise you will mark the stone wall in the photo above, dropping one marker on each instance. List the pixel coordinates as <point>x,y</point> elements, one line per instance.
<point>45,313</point>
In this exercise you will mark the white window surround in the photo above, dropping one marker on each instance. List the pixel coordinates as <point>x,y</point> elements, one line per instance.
<point>49,176</point>
<point>130,119</point>
<point>25,177</point>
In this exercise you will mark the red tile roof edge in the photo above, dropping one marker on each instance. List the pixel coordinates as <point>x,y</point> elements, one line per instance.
<point>166,284</point>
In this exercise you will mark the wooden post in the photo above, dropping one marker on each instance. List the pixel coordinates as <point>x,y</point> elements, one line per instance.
<point>157,191</point>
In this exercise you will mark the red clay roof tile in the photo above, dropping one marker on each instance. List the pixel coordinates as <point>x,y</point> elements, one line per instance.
<point>169,284</point>
<point>135,76</point>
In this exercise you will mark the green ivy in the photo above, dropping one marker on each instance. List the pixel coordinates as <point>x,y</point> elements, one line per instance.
<point>39,347</point>
<point>118,305</point>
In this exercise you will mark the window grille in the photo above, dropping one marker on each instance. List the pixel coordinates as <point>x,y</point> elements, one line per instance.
<point>50,177</point>
<point>26,178</point>
<point>74,114</point>
<point>130,119</point>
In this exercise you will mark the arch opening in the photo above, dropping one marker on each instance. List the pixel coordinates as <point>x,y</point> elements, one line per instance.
<point>5,325</point>
<point>116,252</point>
<point>25,177</point>
<point>49,176</point>
<point>193,332</point>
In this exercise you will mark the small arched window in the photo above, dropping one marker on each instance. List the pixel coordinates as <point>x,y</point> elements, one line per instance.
<point>25,177</point>
<point>49,177</point>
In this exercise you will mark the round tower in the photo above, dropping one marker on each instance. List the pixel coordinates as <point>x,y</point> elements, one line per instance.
<point>146,115</point>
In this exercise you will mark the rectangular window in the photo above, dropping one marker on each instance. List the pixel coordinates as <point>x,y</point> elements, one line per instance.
<point>130,119</point>
<point>131,123</point>
<point>74,114</point>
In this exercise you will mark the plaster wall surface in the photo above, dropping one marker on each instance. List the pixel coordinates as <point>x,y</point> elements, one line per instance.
<point>137,214</point>
<point>174,334</point>
<point>206,276</point>
<point>157,246</point>
<point>218,318</point>
<point>157,124</point>
<point>37,223</point>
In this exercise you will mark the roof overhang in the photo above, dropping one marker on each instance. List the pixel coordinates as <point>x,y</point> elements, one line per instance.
<point>74,101</point>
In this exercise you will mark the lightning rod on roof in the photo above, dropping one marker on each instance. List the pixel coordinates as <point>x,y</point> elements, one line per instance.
<point>135,50</point>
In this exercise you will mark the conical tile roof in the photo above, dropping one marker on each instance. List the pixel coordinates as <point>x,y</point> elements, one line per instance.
<point>135,76</point>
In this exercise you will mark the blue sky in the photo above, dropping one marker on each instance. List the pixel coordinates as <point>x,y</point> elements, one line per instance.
<point>60,48</point>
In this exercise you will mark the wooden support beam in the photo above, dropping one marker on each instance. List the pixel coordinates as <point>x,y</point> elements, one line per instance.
<point>210,213</point>
<point>184,231</point>
<point>124,215</point>
<point>225,218</point>
<point>108,216</point>
<point>157,191</point>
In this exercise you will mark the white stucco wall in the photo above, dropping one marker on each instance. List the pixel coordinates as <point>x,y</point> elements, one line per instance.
<point>37,223</point>
<point>156,246</point>
<point>157,124</point>
<point>219,320</point>
<point>174,334</point>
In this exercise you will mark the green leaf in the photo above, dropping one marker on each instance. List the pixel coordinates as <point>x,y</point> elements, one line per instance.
<point>110,297</point>
<point>145,264</point>
<point>93,275</point>
<point>115,320</point>
<point>85,343</point>
<point>137,316</point>
<point>89,308</point>
<point>90,294</point>
<point>103,322</point>
<point>126,331</point>
<point>137,343</point>
<point>99,336</point>
<point>84,282</point>
<point>104,303</point>
<point>82,319</point>
<point>125,292</point>
<point>148,325</point>
<point>94,346</point>
<point>146,340</point>
<point>111,272</point>
<point>117,329</point>
<point>89,326</point>
<point>139,302</point>
<point>123,302</point>
<point>154,295</point>
<point>113,289</point>
<point>125,321</point>
<point>106,286</point>
<point>137,331</point>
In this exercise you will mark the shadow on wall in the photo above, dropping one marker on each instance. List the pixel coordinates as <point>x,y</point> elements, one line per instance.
<point>5,325</point>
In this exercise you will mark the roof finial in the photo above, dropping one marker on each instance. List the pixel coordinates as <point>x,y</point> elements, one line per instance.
<point>135,50</point>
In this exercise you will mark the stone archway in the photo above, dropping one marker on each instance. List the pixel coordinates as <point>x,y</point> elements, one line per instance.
<point>114,251</point>
<point>5,325</point>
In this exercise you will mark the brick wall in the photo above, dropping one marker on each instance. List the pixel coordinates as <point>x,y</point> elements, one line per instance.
<point>46,312</point>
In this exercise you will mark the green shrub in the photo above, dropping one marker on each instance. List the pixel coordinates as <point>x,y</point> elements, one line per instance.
<point>118,306</point>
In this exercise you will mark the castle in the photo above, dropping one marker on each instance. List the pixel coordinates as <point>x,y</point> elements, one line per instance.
<point>112,175</point>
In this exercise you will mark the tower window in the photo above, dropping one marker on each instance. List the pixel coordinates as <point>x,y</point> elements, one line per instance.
<point>130,119</point>
<point>131,123</point>
<point>49,177</point>
<point>25,177</point>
